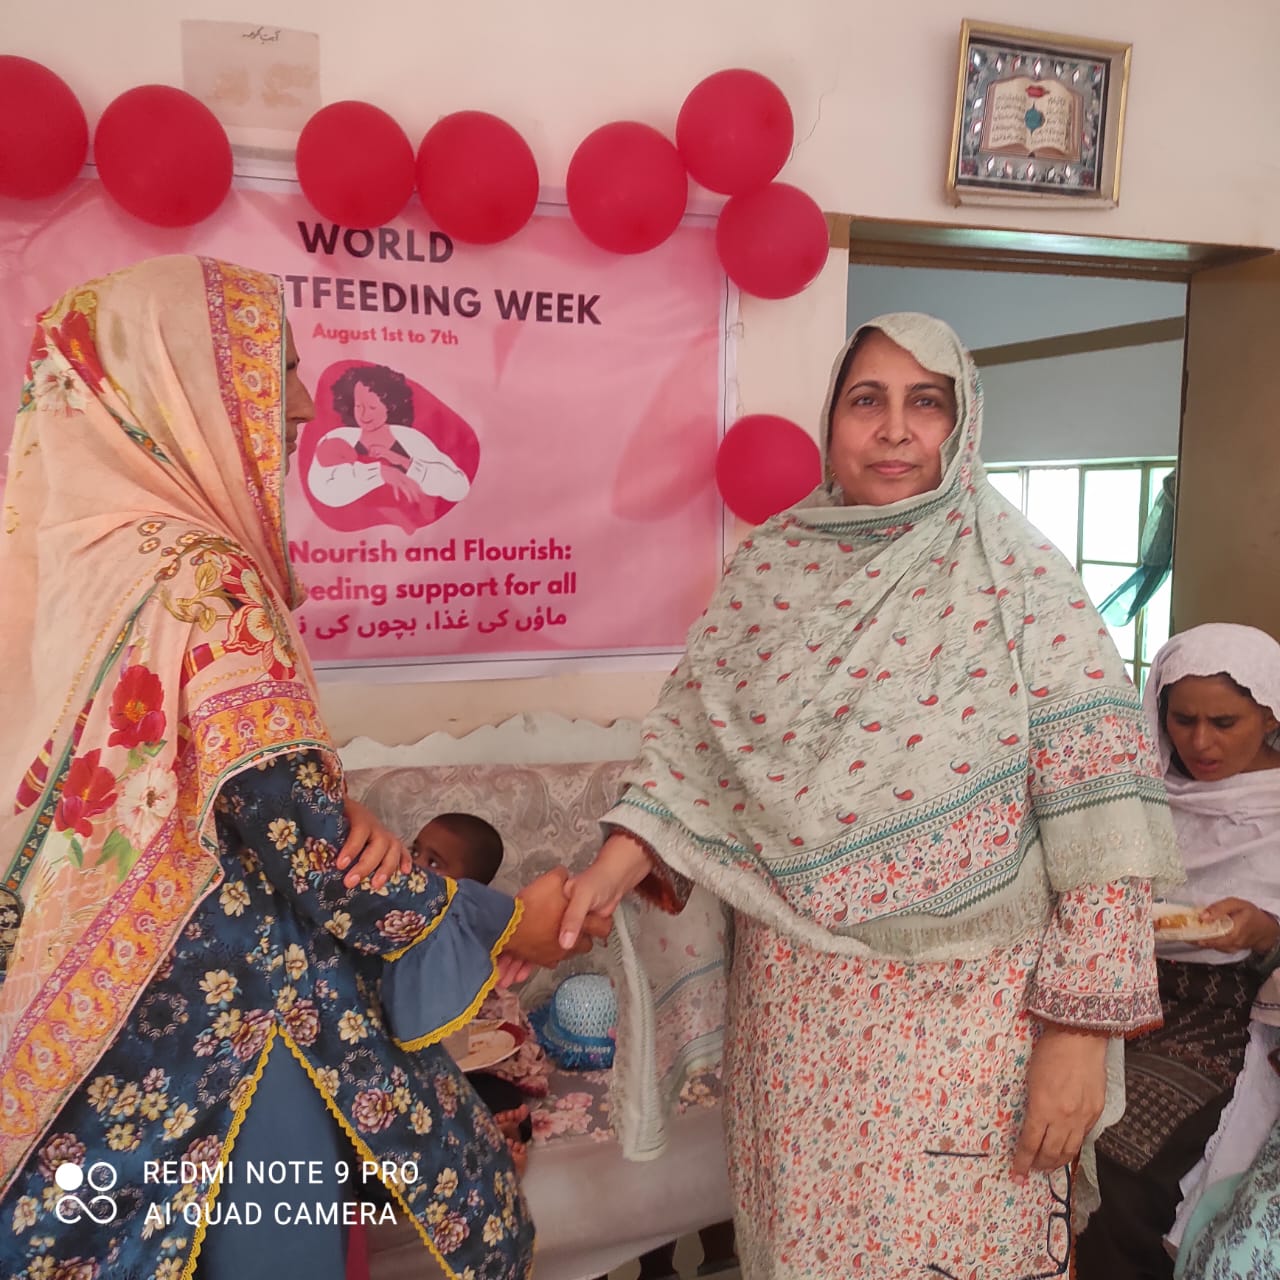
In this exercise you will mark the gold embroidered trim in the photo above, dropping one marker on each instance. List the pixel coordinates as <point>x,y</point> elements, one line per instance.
<point>237,1119</point>
<point>456,1024</point>
<point>366,1154</point>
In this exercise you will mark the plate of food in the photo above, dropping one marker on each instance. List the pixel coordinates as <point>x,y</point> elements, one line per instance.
<point>482,1044</point>
<point>1176,922</point>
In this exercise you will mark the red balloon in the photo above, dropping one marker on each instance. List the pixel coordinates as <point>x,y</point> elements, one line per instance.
<point>735,131</point>
<point>477,177</point>
<point>772,242</point>
<point>44,136</point>
<point>765,465</point>
<point>163,156</point>
<point>355,164</point>
<point>626,187</point>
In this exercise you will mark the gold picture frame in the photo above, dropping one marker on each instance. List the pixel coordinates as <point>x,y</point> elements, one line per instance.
<point>1039,118</point>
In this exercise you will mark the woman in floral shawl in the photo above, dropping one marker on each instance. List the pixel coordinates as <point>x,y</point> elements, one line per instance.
<point>902,748</point>
<point>182,984</point>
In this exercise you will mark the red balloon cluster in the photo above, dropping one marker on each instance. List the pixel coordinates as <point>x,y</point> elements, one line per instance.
<point>355,164</point>
<point>161,153</point>
<point>44,136</point>
<point>163,156</point>
<point>735,133</point>
<point>765,465</point>
<point>477,177</point>
<point>627,187</point>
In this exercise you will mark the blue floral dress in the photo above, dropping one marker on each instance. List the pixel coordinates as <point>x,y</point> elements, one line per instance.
<point>281,964</point>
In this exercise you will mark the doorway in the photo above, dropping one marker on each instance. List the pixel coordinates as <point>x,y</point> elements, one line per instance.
<point>1106,361</point>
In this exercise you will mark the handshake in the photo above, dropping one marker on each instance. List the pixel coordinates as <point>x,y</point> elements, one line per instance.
<point>536,941</point>
<point>563,915</point>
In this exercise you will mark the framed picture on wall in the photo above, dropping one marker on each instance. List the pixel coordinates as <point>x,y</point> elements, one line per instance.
<point>1039,118</point>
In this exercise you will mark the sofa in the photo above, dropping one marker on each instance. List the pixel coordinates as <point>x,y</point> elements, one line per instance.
<point>611,1174</point>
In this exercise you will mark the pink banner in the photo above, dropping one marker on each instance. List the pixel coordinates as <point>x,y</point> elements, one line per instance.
<point>513,453</point>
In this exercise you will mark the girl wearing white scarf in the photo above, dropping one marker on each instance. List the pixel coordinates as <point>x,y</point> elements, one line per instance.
<point>1214,696</point>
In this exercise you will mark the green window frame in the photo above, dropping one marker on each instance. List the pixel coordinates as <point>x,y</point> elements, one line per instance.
<point>1139,641</point>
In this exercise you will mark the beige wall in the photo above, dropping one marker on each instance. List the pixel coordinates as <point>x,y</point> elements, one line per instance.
<point>872,84</point>
<point>872,88</point>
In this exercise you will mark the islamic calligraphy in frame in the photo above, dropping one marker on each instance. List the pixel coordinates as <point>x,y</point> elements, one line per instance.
<point>1039,118</point>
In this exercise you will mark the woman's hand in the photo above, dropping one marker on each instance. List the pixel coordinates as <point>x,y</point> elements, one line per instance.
<point>384,450</point>
<point>619,866</point>
<point>511,970</point>
<point>1066,1088</point>
<point>1252,929</point>
<point>536,940</point>
<point>397,481</point>
<point>375,851</point>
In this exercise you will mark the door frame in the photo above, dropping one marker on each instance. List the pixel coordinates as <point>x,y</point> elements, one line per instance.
<point>891,243</point>
<point>946,246</point>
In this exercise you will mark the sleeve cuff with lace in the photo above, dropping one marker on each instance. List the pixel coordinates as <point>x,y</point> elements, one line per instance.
<point>1097,967</point>
<point>664,886</point>
<point>436,985</point>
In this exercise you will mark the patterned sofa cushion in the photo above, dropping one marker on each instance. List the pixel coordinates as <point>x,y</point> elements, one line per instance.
<point>670,975</point>
<point>547,815</point>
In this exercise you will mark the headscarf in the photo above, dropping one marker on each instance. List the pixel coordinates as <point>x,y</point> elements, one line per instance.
<point>1229,829</point>
<point>901,729</point>
<point>145,572</point>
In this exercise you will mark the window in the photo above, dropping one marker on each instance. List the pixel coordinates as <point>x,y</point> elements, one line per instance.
<point>1095,513</point>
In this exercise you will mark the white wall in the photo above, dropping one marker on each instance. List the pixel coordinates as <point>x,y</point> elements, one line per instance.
<point>1108,404</point>
<point>872,87</point>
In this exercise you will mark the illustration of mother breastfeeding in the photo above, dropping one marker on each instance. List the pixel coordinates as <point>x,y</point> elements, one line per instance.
<point>380,465</point>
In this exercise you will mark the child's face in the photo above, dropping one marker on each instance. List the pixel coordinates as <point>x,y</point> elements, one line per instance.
<point>438,849</point>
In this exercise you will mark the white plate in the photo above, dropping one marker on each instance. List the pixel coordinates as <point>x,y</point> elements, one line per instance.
<point>1199,932</point>
<point>487,1045</point>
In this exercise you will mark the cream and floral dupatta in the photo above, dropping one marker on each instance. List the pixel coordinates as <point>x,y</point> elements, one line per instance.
<point>145,572</point>
<point>897,731</point>
<point>901,730</point>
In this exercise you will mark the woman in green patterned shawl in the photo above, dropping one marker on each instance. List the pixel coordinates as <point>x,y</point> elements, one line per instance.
<point>902,749</point>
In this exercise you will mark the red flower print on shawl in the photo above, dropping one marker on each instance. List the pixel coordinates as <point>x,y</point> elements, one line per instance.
<point>89,790</point>
<point>252,627</point>
<point>137,716</point>
<point>31,788</point>
<point>75,340</point>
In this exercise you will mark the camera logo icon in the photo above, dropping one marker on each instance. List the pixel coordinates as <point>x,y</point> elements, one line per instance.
<point>70,1208</point>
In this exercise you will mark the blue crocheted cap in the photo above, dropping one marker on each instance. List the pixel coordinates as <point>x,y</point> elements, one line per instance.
<point>573,1027</point>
